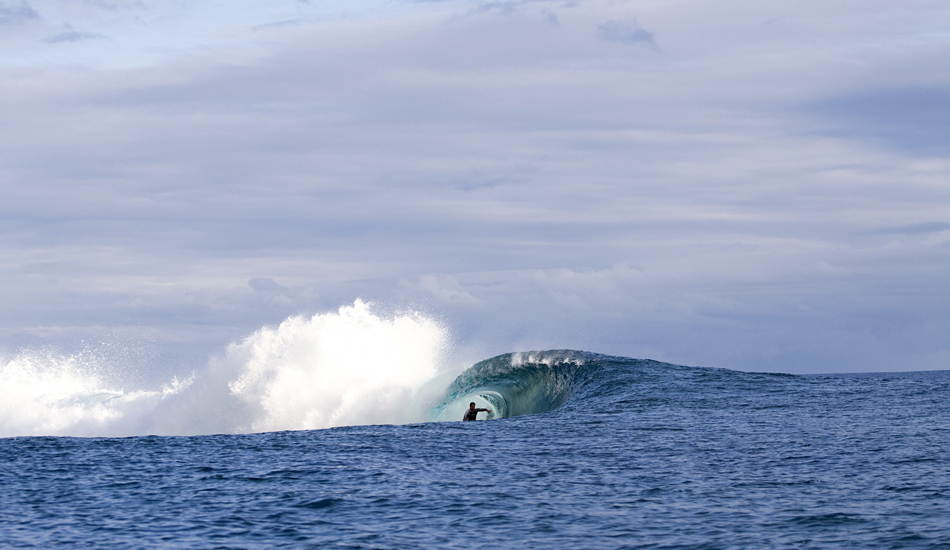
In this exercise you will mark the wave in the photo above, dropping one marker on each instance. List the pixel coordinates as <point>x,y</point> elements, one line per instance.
<point>349,367</point>
<point>516,384</point>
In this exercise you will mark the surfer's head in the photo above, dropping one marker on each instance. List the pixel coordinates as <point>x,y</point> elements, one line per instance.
<point>471,405</point>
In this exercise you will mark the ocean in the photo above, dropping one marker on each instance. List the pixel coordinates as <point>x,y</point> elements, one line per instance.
<point>581,450</point>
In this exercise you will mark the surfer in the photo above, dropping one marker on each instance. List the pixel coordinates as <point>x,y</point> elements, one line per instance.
<point>472,412</point>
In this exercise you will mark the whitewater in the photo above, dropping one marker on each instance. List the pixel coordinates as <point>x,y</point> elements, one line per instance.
<point>342,430</point>
<point>343,368</point>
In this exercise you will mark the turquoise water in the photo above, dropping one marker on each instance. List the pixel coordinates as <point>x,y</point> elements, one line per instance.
<point>595,452</point>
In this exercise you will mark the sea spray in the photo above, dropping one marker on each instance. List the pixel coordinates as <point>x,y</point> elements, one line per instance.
<point>348,367</point>
<point>47,393</point>
<point>337,369</point>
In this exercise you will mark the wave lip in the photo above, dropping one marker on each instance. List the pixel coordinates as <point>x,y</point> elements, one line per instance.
<point>515,384</point>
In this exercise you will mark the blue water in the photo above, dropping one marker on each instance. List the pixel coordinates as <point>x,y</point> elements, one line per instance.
<point>583,451</point>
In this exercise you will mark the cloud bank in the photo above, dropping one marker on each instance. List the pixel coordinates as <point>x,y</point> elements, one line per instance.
<point>538,174</point>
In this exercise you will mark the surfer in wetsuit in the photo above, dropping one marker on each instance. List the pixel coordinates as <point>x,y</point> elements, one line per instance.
<point>472,412</point>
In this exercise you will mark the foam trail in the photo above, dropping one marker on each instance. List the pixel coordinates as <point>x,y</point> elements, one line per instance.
<point>341,368</point>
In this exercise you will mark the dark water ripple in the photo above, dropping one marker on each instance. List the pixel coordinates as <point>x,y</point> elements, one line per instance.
<point>647,456</point>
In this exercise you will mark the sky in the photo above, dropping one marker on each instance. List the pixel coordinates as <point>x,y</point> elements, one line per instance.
<point>762,186</point>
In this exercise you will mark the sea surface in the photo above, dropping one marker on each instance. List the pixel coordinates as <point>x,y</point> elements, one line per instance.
<point>581,451</point>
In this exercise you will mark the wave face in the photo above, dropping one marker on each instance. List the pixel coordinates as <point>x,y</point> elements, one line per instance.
<point>515,384</point>
<point>534,382</point>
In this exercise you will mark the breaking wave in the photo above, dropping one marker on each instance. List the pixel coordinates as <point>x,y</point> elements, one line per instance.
<point>347,367</point>
<point>515,384</point>
<point>343,368</point>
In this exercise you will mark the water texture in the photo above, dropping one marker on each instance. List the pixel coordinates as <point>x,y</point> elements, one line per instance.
<point>631,454</point>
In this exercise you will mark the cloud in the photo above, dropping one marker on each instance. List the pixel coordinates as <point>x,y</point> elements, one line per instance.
<point>519,178</point>
<point>13,14</point>
<point>916,118</point>
<point>284,23</point>
<point>625,32</point>
<point>73,36</point>
<point>262,284</point>
<point>276,294</point>
<point>499,7</point>
<point>915,229</point>
<point>445,288</point>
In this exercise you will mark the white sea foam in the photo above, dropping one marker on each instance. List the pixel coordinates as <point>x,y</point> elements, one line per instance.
<point>348,367</point>
<point>54,394</point>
